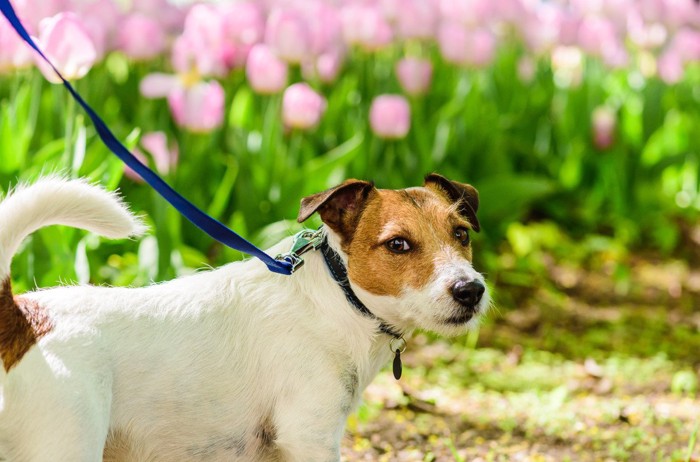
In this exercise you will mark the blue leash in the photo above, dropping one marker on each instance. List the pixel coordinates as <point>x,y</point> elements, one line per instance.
<point>206,223</point>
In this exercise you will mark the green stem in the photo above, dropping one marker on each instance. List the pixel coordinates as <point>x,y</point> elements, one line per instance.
<point>70,108</point>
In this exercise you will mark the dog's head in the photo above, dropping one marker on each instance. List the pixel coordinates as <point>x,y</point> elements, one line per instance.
<point>409,254</point>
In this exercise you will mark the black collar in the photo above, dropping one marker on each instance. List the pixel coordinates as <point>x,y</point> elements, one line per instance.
<point>340,275</point>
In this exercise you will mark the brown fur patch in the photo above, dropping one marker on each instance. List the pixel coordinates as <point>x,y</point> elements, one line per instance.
<point>422,216</point>
<point>22,323</point>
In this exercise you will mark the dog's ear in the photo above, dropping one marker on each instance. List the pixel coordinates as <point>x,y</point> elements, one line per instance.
<point>339,207</point>
<point>465,195</point>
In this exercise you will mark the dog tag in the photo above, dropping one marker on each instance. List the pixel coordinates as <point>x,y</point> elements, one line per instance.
<point>397,365</point>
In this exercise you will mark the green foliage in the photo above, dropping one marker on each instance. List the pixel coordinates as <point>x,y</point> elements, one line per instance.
<point>527,146</point>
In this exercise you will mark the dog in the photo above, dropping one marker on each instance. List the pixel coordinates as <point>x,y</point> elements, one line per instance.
<point>236,363</point>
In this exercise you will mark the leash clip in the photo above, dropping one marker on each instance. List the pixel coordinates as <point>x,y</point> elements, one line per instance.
<point>304,241</point>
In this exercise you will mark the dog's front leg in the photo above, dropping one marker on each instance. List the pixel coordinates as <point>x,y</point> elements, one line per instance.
<point>311,424</point>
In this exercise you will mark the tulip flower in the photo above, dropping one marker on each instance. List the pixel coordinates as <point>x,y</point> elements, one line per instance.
<point>244,21</point>
<point>288,34</point>
<point>199,108</point>
<point>325,28</point>
<point>302,107</point>
<point>170,16</point>
<point>141,37</point>
<point>14,54</point>
<point>131,173</point>
<point>325,67</point>
<point>243,26</point>
<point>364,25</point>
<point>100,18</point>
<point>195,104</point>
<point>165,157</point>
<point>32,12</point>
<point>414,75</point>
<point>468,12</point>
<point>204,47</point>
<point>416,19</point>
<point>670,67</point>
<point>390,116</point>
<point>463,46</point>
<point>66,42</point>
<point>527,68</point>
<point>267,74</point>
<point>603,123</point>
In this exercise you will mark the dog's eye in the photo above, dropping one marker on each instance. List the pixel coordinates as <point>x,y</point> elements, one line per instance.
<point>462,235</point>
<point>398,245</point>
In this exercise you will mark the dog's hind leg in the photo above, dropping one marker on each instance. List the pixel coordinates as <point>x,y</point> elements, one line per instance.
<point>48,416</point>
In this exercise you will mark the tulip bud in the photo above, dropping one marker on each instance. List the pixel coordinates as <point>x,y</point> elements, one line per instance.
<point>390,116</point>
<point>364,25</point>
<point>414,75</point>
<point>199,108</point>
<point>302,107</point>
<point>288,34</point>
<point>470,47</point>
<point>603,123</point>
<point>165,156</point>
<point>66,42</point>
<point>141,37</point>
<point>14,54</point>
<point>267,74</point>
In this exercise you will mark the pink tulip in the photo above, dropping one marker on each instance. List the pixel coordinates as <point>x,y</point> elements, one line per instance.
<point>159,85</point>
<point>267,74</point>
<point>390,116</point>
<point>66,42</point>
<point>14,54</point>
<point>645,35</point>
<point>527,68</point>
<point>364,25</point>
<point>131,173</point>
<point>414,75</point>
<point>468,12</point>
<point>542,28</point>
<point>165,157</point>
<point>244,22</point>
<point>32,12</point>
<point>171,17</point>
<point>288,34</point>
<point>679,13</point>
<point>603,124</point>
<point>198,108</point>
<point>686,43</point>
<point>470,47</point>
<point>417,19</point>
<point>325,67</point>
<point>141,37</point>
<point>596,34</point>
<point>100,18</point>
<point>324,26</point>
<point>670,67</point>
<point>302,107</point>
<point>203,45</point>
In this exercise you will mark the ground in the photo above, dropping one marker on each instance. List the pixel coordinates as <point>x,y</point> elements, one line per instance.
<point>588,367</point>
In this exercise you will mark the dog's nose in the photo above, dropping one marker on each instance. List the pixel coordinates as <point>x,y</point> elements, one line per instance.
<point>468,293</point>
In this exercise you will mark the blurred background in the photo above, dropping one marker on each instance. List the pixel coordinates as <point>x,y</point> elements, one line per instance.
<point>578,121</point>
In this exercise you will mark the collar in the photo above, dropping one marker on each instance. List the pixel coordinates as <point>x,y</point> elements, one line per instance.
<point>340,275</point>
<point>307,240</point>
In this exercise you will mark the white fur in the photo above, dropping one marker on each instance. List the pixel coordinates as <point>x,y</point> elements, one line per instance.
<point>189,369</point>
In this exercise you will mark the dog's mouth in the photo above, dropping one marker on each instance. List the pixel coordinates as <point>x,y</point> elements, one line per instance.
<point>463,317</point>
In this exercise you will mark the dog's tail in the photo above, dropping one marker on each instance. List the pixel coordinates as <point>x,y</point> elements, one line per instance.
<point>56,201</point>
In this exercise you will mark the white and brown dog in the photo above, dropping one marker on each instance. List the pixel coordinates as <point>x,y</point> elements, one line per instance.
<point>238,363</point>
